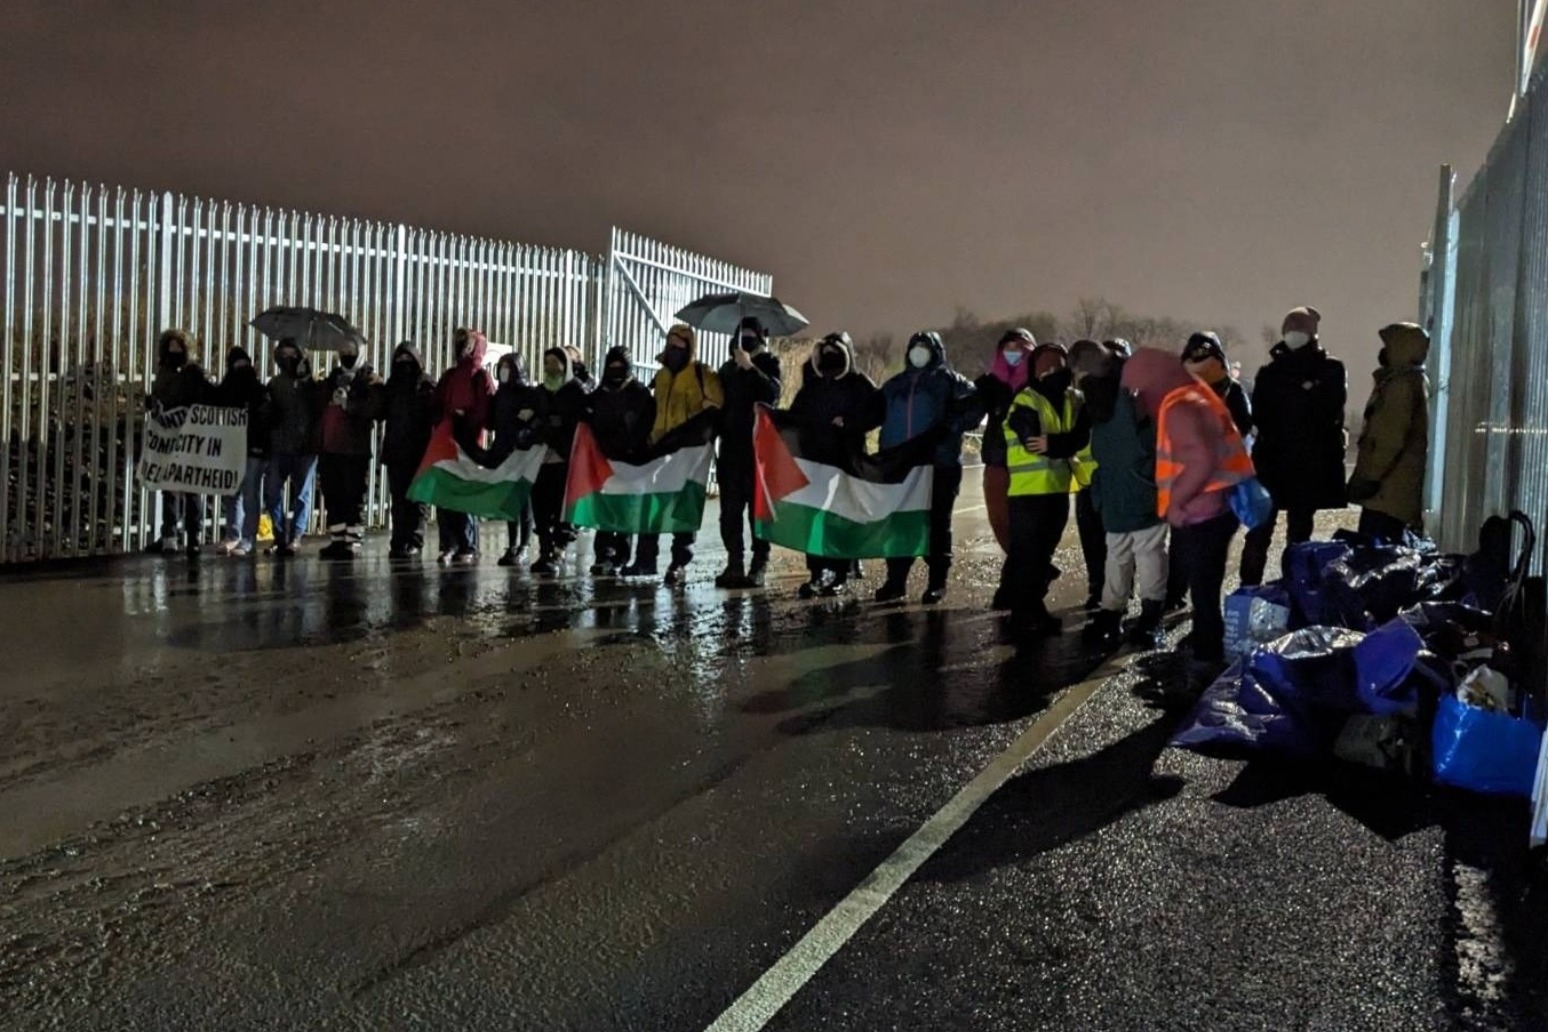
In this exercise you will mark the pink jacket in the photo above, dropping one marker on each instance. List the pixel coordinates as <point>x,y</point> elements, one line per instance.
<point>1197,436</point>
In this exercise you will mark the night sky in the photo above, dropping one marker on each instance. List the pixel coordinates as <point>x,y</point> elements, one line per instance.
<point>886,160</point>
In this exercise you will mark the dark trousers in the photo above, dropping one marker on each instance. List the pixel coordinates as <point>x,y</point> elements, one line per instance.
<point>181,511</point>
<point>736,480</point>
<point>408,517</point>
<point>1256,549</point>
<point>611,547</point>
<point>548,507</point>
<point>649,549</point>
<point>518,533</point>
<point>943,498</point>
<point>1203,549</point>
<point>457,530</point>
<point>1037,524</point>
<point>343,480</point>
<point>1093,541</point>
<point>1380,526</point>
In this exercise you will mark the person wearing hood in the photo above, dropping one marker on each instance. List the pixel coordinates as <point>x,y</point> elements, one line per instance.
<point>1298,404</point>
<point>293,403</point>
<point>684,387</point>
<point>349,408</point>
<point>833,410</point>
<point>1205,357</point>
<point>407,411</point>
<point>179,382</point>
<point>518,415</point>
<point>1200,457</point>
<point>1123,491</point>
<point>566,397</point>
<point>997,388</point>
<point>463,397</point>
<point>929,397</point>
<point>1046,428</point>
<point>751,377</point>
<point>1394,450</point>
<point>242,388</point>
<point>620,413</point>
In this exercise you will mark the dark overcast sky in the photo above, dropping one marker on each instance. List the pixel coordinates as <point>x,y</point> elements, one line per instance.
<point>887,160</point>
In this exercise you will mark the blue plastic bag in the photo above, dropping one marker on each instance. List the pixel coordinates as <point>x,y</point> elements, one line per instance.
<point>1255,616</point>
<point>1236,718</point>
<point>1484,751</point>
<point>1303,566</point>
<point>1385,669</point>
<point>1251,503</point>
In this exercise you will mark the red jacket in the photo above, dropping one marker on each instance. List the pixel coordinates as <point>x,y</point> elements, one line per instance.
<point>466,388</point>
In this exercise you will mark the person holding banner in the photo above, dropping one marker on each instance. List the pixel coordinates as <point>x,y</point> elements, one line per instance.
<point>620,413</point>
<point>179,383</point>
<point>349,398</point>
<point>684,388</point>
<point>518,416</point>
<point>292,447</point>
<point>462,397</point>
<point>243,389</point>
<point>833,409</point>
<point>407,410</point>
<point>566,398</point>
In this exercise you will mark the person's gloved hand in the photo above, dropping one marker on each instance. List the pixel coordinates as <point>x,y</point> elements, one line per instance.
<point>1362,489</point>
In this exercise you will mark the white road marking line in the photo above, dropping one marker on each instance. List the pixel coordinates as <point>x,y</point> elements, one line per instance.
<point>970,508</point>
<point>778,985</point>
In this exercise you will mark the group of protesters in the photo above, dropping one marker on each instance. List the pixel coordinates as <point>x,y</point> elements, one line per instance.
<point>1145,446</point>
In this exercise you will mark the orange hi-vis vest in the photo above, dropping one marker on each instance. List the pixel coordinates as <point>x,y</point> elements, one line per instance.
<point>1232,463</point>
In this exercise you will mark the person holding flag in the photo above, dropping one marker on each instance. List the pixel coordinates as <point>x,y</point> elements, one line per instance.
<point>462,398</point>
<point>750,378</point>
<point>621,413</point>
<point>518,416</point>
<point>566,397</point>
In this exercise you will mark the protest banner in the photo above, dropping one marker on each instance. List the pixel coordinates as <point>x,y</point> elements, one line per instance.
<point>197,449</point>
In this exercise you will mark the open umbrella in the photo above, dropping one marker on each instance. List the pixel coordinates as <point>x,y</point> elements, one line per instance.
<point>307,326</point>
<point>722,313</point>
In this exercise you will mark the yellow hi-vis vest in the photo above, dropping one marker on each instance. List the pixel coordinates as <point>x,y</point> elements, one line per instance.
<point>1032,474</point>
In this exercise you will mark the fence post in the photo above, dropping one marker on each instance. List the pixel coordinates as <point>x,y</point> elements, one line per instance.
<point>399,293</point>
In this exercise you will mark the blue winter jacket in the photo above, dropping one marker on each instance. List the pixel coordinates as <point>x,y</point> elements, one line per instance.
<point>919,400</point>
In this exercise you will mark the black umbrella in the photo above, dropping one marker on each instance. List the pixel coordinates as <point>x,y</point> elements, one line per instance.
<point>307,327</point>
<point>723,313</point>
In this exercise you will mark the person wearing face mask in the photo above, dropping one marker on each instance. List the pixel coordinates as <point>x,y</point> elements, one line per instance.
<point>684,387</point>
<point>406,408</point>
<point>1394,451</point>
<point>462,396</point>
<point>750,378</point>
<point>242,388</point>
<point>834,410</point>
<point>578,368</point>
<point>179,382</point>
<point>519,418</point>
<point>566,398</point>
<point>621,413</point>
<point>997,388</point>
<point>1045,429</point>
<point>929,397</point>
<point>293,407</point>
<point>348,397</point>
<point>1298,404</point>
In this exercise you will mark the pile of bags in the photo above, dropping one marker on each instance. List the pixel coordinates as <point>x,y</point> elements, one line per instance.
<point>1394,657</point>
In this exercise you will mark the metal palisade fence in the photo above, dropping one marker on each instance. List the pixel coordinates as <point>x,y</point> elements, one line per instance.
<point>92,275</point>
<point>1485,300</point>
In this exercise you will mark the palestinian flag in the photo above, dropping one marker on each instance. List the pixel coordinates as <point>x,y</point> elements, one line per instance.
<point>871,507</point>
<point>658,492</point>
<point>473,480</point>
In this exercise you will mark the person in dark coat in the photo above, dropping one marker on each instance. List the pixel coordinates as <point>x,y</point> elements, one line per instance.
<point>621,413</point>
<point>292,447</point>
<point>349,398</point>
<point>834,409</point>
<point>462,396</point>
<point>929,396</point>
<point>407,410</point>
<point>242,388</point>
<point>518,415</point>
<point>566,400</point>
<point>750,378</point>
<point>1298,404</point>
<point>1394,451</point>
<point>179,382</point>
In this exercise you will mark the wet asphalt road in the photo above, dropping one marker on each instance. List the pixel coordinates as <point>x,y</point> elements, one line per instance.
<point>259,796</point>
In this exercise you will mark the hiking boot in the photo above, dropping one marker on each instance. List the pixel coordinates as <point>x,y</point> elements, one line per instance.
<point>757,573</point>
<point>675,576</point>
<point>933,595</point>
<point>733,576</point>
<point>507,558</point>
<point>465,556</point>
<point>1146,632</point>
<point>1103,630</point>
<point>891,591</point>
<point>446,556</point>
